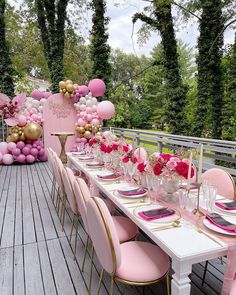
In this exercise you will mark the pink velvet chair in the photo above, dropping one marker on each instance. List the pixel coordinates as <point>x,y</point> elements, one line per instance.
<point>134,263</point>
<point>68,180</point>
<point>233,289</point>
<point>222,180</point>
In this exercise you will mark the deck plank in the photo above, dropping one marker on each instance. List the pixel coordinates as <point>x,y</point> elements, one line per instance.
<point>6,271</point>
<point>19,276</point>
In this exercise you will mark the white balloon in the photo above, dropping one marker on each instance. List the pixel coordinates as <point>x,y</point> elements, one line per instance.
<point>94,108</point>
<point>42,101</point>
<point>40,108</point>
<point>35,103</point>
<point>82,107</point>
<point>86,96</point>
<point>90,94</point>
<point>89,103</point>
<point>94,100</point>
<point>82,100</point>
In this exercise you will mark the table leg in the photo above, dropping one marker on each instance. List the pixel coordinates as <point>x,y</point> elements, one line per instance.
<point>63,156</point>
<point>180,283</point>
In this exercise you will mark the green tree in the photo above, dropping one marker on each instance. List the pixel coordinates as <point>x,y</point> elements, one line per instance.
<point>210,83</point>
<point>162,21</point>
<point>51,17</point>
<point>99,48</point>
<point>6,69</point>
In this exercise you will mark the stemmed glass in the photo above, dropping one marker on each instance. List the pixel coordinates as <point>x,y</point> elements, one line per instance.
<point>156,186</point>
<point>131,169</point>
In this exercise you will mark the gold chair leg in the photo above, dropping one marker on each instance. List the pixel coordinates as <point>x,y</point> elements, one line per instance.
<point>72,226</point>
<point>100,281</point>
<point>85,252</point>
<point>63,211</point>
<point>168,284</point>
<point>52,189</point>
<point>91,272</point>
<point>111,286</point>
<point>76,235</point>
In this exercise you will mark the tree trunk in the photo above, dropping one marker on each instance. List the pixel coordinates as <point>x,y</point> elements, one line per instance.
<point>6,69</point>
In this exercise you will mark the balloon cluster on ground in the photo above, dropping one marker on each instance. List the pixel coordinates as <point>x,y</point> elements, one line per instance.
<point>23,142</point>
<point>90,112</point>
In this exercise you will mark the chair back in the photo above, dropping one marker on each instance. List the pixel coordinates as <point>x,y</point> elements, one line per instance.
<point>103,235</point>
<point>68,180</point>
<point>222,180</point>
<point>82,196</point>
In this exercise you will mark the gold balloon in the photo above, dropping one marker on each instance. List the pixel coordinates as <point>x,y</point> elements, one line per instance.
<point>87,134</point>
<point>62,84</point>
<point>33,131</point>
<point>69,82</point>
<point>8,139</point>
<point>15,137</point>
<point>67,95</point>
<point>70,87</point>
<point>87,126</point>
<point>81,130</point>
<point>22,137</point>
<point>98,133</point>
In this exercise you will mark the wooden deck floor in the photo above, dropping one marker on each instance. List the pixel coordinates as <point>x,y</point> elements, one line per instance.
<point>35,255</point>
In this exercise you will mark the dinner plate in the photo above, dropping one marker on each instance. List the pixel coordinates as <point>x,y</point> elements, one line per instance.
<point>215,228</point>
<point>108,179</point>
<point>166,219</point>
<point>129,197</point>
<point>95,165</point>
<point>224,210</point>
<point>86,158</point>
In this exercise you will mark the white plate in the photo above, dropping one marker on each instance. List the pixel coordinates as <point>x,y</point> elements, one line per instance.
<point>85,158</point>
<point>94,165</point>
<point>129,197</point>
<point>109,179</point>
<point>167,219</point>
<point>215,228</point>
<point>224,210</point>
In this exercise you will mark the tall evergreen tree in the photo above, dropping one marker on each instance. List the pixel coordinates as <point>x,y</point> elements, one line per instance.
<point>176,92</point>
<point>210,82</point>
<point>51,16</point>
<point>99,49</point>
<point>6,69</point>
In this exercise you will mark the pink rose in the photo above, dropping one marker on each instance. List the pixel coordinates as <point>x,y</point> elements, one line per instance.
<point>171,165</point>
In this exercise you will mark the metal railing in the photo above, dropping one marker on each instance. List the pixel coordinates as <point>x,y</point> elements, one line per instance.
<point>217,153</point>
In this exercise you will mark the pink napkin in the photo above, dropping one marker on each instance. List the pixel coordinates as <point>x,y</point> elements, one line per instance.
<point>226,206</point>
<point>134,192</point>
<point>227,226</point>
<point>156,213</point>
<point>110,176</point>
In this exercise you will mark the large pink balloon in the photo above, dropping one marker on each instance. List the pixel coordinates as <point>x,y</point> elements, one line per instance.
<point>7,159</point>
<point>37,94</point>
<point>105,109</point>
<point>22,120</point>
<point>3,148</point>
<point>97,87</point>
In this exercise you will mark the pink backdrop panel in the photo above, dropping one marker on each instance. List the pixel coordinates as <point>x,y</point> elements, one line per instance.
<point>59,116</point>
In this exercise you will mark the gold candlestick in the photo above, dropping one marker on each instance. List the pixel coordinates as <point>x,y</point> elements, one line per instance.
<point>197,211</point>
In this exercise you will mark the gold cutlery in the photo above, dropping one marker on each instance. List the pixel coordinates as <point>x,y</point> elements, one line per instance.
<point>210,236</point>
<point>174,224</point>
<point>134,202</point>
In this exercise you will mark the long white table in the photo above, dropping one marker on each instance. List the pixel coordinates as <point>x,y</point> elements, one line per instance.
<point>185,245</point>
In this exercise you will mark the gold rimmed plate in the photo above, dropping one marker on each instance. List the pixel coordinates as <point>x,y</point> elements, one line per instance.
<point>138,196</point>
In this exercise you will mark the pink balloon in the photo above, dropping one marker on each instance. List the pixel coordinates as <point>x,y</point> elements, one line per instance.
<point>83,89</point>
<point>77,140</point>
<point>20,145</point>
<point>22,120</point>
<point>41,152</point>
<point>89,110</point>
<point>89,117</point>
<point>34,152</point>
<point>34,117</point>
<point>3,148</point>
<point>30,159</point>
<point>43,158</point>
<point>36,94</point>
<point>95,122</point>
<point>16,152</point>
<point>81,122</point>
<point>7,159</point>
<point>105,109</point>
<point>83,139</point>
<point>97,87</point>
<point>89,103</point>
<point>46,94</point>
<point>75,98</point>
<point>29,145</point>
<point>20,158</point>
<point>26,151</point>
<point>11,146</point>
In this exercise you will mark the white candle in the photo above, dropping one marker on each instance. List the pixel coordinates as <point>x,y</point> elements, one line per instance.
<point>189,170</point>
<point>199,180</point>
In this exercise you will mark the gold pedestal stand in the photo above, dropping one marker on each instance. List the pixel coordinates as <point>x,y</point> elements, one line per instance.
<point>197,211</point>
<point>62,136</point>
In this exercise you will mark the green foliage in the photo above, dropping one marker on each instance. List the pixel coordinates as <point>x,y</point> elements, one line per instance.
<point>99,49</point>
<point>6,69</point>
<point>208,117</point>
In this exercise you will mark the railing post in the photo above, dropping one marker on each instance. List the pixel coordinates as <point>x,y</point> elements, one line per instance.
<point>159,146</point>
<point>138,139</point>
